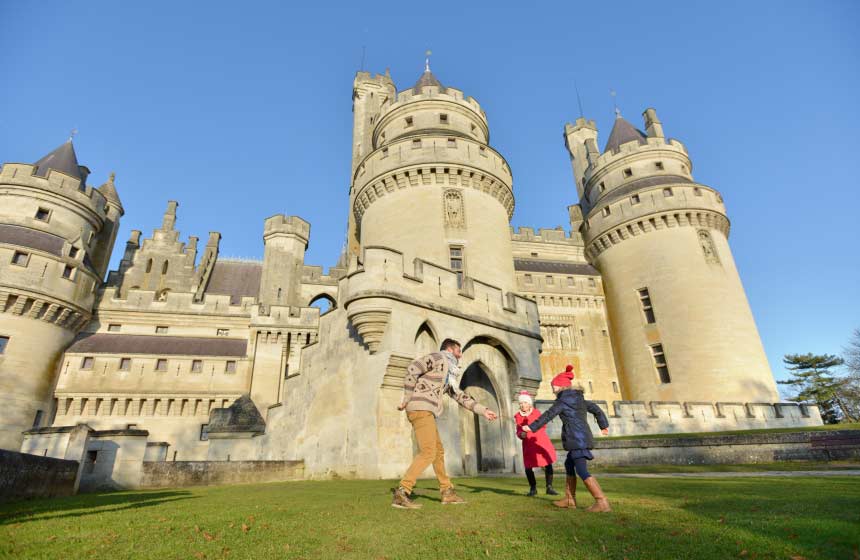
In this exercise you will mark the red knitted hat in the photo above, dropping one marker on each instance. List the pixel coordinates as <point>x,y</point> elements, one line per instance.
<point>564,379</point>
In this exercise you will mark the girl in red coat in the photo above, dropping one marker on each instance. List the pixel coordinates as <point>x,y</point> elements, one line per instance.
<point>538,450</point>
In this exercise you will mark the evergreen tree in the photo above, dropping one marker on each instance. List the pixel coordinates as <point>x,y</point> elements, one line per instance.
<point>814,382</point>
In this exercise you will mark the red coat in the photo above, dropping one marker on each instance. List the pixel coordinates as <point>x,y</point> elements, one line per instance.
<point>538,450</point>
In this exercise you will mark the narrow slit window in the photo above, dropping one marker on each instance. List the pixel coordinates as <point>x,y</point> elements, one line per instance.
<point>161,364</point>
<point>614,386</point>
<point>416,143</point>
<point>457,261</point>
<point>647,308</point>
<point>161,330</point>
<point>408,121</point>
<point>452,143</point>
<point>87,362</point>
<point>443,118</point>
<point>602,187</point>
<point>69,272</point>
<point>660,363</point>
<point>628,172</point>
<point>73,251</point>
<point>606,211</point>
<point>43,214</point>
<point>635,199</point>
<point>114,327</point>
<point>4,342</point>
<point>124,364</point>
<point>659,165</point>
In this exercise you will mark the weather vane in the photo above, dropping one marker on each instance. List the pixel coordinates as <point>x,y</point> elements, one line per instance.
<point>72,133</point>
<point>427,60</point>
<point>615,103</point>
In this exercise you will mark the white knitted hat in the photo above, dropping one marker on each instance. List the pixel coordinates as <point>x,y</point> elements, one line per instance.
<point>525,397</point>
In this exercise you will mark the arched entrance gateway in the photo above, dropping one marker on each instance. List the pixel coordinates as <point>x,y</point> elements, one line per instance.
<point>473,445</point>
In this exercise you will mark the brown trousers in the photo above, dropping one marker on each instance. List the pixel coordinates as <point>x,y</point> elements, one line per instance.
<point>430,451</point>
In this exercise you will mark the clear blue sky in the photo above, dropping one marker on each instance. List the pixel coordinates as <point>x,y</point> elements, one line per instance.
<point>240,110</point>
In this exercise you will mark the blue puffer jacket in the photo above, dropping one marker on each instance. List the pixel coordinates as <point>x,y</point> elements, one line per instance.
<point>571,405</point>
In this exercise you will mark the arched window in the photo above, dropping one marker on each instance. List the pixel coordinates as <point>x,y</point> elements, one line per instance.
<point>164,268</point>
<point>149,266</point>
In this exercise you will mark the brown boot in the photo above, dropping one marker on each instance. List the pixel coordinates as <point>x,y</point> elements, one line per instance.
<point>401,499</point>
<point>569,500</point>
<point>449,497</point>
<point>601,504</point>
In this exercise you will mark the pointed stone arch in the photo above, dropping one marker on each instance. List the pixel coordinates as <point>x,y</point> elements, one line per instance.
<point>426,340</point>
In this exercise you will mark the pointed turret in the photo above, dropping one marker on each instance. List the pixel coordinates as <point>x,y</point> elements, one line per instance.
<point>623,132</point>
<point>109,190</point>
<point>427,78</point>
<point>64,160</point>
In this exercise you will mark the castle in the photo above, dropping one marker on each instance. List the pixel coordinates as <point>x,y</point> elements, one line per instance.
<point>183,355</point>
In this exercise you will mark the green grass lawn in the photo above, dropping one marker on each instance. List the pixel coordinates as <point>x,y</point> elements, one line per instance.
<point>656,518</point>
<point>748,467</point>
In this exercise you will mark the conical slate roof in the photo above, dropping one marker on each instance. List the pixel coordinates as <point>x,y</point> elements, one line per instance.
<point>62,159</point>
<point>427,79</point>
<point>623,132</point>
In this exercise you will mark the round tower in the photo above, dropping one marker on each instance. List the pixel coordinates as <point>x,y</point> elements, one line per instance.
<point>429,185</point>
<point>681,325</point>
<point>56,237</point>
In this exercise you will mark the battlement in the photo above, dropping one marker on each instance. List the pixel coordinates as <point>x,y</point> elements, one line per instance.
<point>451,94</point>
<point>58,183</point>
<point>581,123</point>
<point>286,225</point>
<point>628,418</point>
<point>385,172</point>
<point>381,80</point>
<point>147,301</point>
<point>554,236</point>
<point>312,274</point>
<point>649,149</point>
<point>382,273</point>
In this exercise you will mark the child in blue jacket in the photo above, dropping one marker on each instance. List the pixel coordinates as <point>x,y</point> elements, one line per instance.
<point>576,436</point>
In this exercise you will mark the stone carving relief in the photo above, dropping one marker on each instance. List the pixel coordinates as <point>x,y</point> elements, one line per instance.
<point>557,337</point>
<point>708,247</point>
<point>455,212</point>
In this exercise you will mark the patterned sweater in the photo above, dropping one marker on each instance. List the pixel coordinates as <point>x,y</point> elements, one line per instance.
<point>425,383</point>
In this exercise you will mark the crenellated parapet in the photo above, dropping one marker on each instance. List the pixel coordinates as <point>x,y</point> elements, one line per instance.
<point>383,275</point>
<point>150,301</point>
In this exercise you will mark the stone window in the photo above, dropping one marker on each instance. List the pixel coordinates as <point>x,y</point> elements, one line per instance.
<point>474,129</point>
<point>602,187</point>
<point>683,168</point>
<point>43,214</point>
<point>590,387</point>
<point>592,283</point>
<point>570,281</point>
<point>635,199</point>
<point>606,211</point>
<point>385,152</point>
<point>628,172</point>
<point>164,268</point>
<point>114,327</point>
<point>161,330</point>
<point>161,364</point>
<point>149,265</point>
<point>4,342</point>
<point>73,251</point>
<point>708,247</point>
<point>697,191</point>
<point>443,118</point>
<point>416,143</point>
<point>90,236</point>
<point>87,362</point>
<point>124,364</point>
<point>408,121</point>
<point>659,165</point>
<point>196,366</point>
<point>69,272</point>
<point>131,426</point>
<point>614,386</point>
<point>482,150</point>
<point>550,280</point>
<point>20,258</point>
<point>457,259</point>
<point>647,308</point>
<point>230,366</point>
<point>204,432</point>
<point>223,332</point>
<point>660,363</point>
<point>604,332</point>
<point>581,332</point>
<point>528,278</point>
<point>667,192</point>
<point>452,143</point>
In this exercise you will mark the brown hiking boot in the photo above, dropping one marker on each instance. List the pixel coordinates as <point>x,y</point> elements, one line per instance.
<point>450,497</point>
<point>601,504</point>
<point>401,499</point>
<point>569,500</point>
